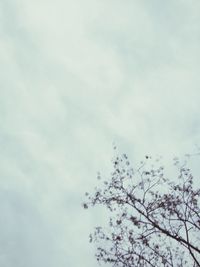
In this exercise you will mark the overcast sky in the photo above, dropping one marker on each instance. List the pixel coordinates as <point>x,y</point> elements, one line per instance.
<point>76,76</point>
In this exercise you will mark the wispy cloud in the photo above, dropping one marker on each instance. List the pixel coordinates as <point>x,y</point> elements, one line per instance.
<point>76,76</point>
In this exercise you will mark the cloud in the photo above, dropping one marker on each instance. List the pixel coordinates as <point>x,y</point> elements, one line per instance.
<point>77,76</point>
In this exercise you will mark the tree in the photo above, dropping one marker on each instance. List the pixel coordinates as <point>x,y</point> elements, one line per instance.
<point>153,221</point>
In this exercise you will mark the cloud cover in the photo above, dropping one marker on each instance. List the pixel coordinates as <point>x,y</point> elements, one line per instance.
<point>75,77</point>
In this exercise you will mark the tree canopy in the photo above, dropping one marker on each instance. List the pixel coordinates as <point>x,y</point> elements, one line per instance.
<point>153,222</point>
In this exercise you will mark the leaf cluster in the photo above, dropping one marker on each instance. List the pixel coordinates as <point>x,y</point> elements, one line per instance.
<point>153,221</point>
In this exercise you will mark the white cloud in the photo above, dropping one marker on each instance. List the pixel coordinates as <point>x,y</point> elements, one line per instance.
<point>76,76</point>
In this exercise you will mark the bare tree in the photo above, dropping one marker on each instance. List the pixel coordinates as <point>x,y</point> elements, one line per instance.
<point>153,221</point>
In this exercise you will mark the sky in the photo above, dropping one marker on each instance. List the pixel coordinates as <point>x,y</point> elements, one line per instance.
<point>76,77</point>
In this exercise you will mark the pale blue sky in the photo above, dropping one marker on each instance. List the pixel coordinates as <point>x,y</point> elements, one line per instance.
<point>76,76</point>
